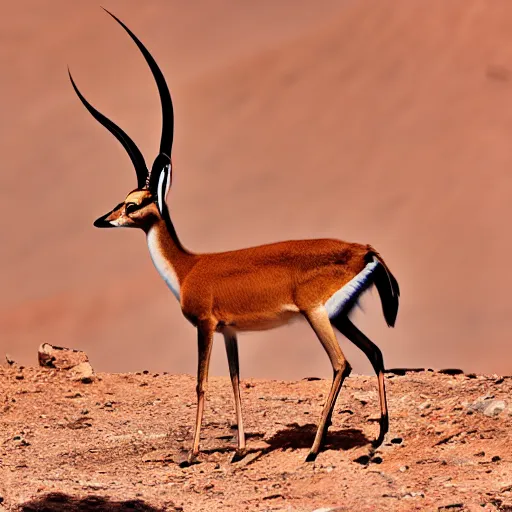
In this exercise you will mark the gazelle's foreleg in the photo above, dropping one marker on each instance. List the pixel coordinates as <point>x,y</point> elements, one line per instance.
<point>204,344</point>
<point>232,353</point>
<point>319,321</point>
<point>373,353</point>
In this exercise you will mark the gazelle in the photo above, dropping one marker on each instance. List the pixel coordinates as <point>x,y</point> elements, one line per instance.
<point>251,289</point>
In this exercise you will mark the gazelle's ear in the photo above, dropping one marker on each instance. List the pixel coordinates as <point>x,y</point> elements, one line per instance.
<point>164,184</point>
<point>160,179</point>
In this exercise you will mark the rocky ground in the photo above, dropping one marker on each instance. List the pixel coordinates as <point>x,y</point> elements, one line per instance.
<point>117,442</point>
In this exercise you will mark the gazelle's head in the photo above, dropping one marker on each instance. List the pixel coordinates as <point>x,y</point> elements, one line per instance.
<point>146,204</point>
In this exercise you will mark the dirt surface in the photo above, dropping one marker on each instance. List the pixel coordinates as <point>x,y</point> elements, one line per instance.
<point>118,442</point>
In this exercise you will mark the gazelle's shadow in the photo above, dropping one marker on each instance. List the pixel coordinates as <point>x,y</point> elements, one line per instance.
<point>302,436</point>
<point>294,437</point>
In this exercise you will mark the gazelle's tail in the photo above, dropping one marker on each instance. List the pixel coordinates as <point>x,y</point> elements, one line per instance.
<point>387,286</point>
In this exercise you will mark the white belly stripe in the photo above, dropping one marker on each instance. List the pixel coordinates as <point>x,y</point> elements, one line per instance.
<point>164,267</point>
<point>348,292</point>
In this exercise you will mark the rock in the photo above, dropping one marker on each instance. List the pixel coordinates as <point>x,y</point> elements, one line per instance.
<point>488,406</point>
<point>248,459</point>
<point>451,371</point>
<point>365,398</point>
<point>403,371</point>
<point>494,408</point>
<point>364,460</point>
<point>61,358</point>
<point>83,372</point>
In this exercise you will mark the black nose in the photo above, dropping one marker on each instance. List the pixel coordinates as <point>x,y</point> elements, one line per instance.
<point>102,223</point>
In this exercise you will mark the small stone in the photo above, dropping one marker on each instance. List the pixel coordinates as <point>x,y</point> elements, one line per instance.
<point>363,460</point>
<point>487,406</point>
<point>496,458</point>
<point>403,469</point>
<point>83,372</point>
<point>494,408</point>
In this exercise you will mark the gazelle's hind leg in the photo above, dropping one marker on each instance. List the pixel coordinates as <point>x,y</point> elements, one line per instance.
<point>348,329</point>
<point>232,353</point>
<point>319,321</point>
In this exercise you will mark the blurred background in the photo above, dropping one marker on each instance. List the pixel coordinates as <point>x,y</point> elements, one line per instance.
<point>372,121</point>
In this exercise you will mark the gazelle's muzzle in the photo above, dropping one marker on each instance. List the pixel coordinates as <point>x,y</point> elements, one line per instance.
<point>106,221</point>
<point>102,222</point>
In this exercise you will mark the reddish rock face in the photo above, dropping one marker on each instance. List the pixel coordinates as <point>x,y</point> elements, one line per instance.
<point>389,125</point>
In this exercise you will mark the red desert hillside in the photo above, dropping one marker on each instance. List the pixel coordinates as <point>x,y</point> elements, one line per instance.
<point>382,122</point>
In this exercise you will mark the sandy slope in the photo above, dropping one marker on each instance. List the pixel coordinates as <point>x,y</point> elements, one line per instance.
<point>382,122</point>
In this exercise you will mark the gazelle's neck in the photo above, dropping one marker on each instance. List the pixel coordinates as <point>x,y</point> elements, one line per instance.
<point>170,258</point>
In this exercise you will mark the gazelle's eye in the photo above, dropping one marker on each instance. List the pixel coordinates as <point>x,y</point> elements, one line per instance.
<point>131,207</point>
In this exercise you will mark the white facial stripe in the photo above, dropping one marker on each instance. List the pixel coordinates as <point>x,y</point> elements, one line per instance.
<point>164,266</point>
<point>337,302</point>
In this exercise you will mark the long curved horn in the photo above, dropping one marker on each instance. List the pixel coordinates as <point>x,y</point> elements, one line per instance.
<point>165,96</point>
<point>128,144</point>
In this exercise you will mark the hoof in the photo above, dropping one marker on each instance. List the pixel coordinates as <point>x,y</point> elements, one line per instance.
<point>377,442</point>
<point>311,457</point>
<point>384,428</point>
<point>189,461</point>
<point>382,435</point>
<point>238,455</point>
